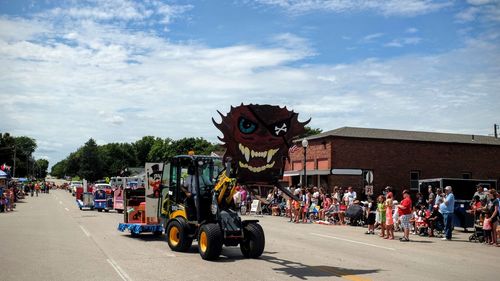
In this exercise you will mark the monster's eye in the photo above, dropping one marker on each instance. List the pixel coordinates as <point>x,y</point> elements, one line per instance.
<point>246,126</point>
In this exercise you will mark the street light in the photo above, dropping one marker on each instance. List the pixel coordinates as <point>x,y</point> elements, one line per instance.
<point>305,144</point>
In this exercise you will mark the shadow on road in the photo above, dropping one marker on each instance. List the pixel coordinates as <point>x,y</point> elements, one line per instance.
<point>296,269</point>
<point>303,271</point>
<point>147,237</point>
<point>422,241</point>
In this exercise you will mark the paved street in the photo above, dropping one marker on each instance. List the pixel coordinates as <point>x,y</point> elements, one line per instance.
<point>49,238</point>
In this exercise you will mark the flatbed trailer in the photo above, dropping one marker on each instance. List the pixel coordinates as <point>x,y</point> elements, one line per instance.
<point>138,228</point>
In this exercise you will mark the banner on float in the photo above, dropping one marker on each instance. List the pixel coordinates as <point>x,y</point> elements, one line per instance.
<point>154,172</point>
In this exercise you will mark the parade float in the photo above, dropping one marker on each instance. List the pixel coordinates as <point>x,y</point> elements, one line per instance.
<point>197,190</point>
<point>141,204</point>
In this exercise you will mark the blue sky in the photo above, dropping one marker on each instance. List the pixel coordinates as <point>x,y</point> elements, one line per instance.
<point>118,70</point>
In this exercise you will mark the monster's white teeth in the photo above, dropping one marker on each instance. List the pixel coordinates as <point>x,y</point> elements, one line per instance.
<point>247,154</point>
<point>256,169</point>
<point>268,154</point>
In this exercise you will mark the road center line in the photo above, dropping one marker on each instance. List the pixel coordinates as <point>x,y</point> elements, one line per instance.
<point>66,209</point>
<point>60,202</point>
<point>353,241</point>
<point>84,231</point>
<point>124,276</point>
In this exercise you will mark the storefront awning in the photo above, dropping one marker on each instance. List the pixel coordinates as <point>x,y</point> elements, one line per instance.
<point>309,173</point>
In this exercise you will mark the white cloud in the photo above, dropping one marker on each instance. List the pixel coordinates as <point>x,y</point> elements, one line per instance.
<point>371,37</point>
<point>468,14</point>
<point>387,7</point>
<point>480,2</point>
<point>86,79</point>
<point>401,42</point>
<point>411,30</point>
<point>120,10</point>
<point>484,10</point>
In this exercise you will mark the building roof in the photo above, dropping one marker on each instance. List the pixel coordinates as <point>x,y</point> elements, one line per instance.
<point>353,132</point>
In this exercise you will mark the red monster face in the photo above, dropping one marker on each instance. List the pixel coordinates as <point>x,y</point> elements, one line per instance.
<point>257,138</point>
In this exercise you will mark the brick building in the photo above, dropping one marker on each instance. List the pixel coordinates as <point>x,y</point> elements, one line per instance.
<point>396,158</point>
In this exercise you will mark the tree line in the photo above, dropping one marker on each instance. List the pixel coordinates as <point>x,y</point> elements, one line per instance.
<point>17,153</point>
<point>93,162</point>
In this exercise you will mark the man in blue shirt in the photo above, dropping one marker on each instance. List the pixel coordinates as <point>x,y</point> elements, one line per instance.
<point>447,208</point>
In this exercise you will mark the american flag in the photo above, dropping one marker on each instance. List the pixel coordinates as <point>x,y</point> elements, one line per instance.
<point>293,149</point>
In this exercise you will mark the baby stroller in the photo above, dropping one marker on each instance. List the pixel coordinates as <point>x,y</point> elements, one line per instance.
<point>478,235</point>
<point>313,213</point>
<point>355,215</point>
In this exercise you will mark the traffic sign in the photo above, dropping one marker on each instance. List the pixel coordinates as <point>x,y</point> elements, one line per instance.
<point>369,177</point>
<point>369,189</point>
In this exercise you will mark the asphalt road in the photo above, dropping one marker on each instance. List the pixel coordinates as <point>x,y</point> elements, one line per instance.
<point>49,238</point>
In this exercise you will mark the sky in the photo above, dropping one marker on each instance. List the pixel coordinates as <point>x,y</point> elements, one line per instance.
<point>116,70</point>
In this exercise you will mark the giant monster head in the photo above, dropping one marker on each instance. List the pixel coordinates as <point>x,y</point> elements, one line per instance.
<point>257,139</point>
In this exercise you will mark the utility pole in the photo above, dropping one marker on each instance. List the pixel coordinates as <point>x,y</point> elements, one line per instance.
<point>495,129</point>
<point>14,165</point>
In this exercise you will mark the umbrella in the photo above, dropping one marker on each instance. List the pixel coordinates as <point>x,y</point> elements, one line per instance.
<point>3,175</point>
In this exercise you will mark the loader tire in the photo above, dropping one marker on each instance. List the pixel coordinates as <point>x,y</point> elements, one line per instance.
<point>177,236</point>
<point>253,242</point>
<point>210,241</point>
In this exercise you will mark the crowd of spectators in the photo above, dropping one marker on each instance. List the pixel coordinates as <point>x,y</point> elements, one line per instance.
<point>14,191</point>
<point>430,216</point>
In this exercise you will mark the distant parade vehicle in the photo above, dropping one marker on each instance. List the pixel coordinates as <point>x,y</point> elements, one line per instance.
<point>190,197</point>
<point>73,186</point>
<point>84,197</point>
<point>103,197</point>
<point>119,184</point>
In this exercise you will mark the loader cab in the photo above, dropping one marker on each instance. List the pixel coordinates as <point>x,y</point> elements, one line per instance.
<point>184,170</point>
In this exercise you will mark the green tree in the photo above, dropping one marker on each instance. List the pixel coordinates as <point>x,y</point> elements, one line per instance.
<point>198,145</point>
<point>41,167</point>
<point>159,150</point>
<point>90,162</point>
<point>20,148</point>
<point>72,165</point>
<point>310,132</point>
<point>116,157</point>
<point>7,145</point>
<point>59,169</point>
<point>142,149</point>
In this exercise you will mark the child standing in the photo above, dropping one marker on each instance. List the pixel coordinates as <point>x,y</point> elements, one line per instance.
<point>307,203</point>
<point>487,228</point>
<point>389,222</point>
<point>381,211</point>
<point>372,209</point>
<point>297,205</point>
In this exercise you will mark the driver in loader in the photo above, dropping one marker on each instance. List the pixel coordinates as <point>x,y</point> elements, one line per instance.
<point>189,188</point>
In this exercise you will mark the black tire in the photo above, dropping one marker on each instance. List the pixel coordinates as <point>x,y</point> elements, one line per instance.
<point>99,210</point>
<point>210,241</point>
<point>157,233</point>
<point>254,241</point>
<point>106,210</point>
<point>120,211</point>
<point>80,208</point>
<point>177,236</point>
